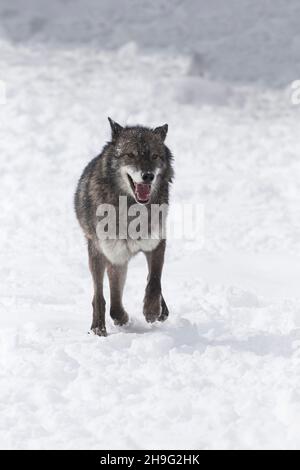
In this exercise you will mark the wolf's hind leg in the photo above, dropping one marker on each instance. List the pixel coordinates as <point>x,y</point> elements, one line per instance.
<point>117,277</point>
<point>97,267</point>
<point>155,307</point>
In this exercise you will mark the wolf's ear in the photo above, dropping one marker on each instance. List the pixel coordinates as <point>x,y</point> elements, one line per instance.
<point>161,131</point>
<point>115,128</point>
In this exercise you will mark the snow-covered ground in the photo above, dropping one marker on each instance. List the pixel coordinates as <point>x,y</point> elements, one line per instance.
<point>224,370</point>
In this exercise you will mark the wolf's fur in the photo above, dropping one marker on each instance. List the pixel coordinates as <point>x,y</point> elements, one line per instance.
<point>131,151</point>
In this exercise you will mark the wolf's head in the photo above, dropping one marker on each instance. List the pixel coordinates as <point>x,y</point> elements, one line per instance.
<point>141,161</point>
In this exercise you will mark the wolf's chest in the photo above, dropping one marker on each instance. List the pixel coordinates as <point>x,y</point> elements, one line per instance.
<point>120,251</point>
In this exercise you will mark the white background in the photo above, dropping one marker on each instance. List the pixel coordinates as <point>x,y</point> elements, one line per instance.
<point>223,371</point>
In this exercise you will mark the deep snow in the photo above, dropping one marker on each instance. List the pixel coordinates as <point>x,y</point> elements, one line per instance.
<point>223,371</point>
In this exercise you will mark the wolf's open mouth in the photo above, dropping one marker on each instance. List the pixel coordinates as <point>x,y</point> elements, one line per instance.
<point>141,191</point>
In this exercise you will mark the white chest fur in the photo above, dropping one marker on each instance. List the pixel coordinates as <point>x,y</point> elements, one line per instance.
<point>120,251</point>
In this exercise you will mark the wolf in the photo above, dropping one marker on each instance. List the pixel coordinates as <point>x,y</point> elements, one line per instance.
<point>137,164</point>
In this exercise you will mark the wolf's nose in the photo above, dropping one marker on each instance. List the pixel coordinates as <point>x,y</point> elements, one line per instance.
<point>148,177</point>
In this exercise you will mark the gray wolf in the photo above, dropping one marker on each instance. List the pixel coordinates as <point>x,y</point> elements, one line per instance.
<point>137,164</point>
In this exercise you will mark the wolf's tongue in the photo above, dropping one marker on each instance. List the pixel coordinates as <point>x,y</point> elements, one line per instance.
<point>142,191</point>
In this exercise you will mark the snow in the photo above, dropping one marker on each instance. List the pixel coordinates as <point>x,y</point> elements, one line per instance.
<point>223,371</point>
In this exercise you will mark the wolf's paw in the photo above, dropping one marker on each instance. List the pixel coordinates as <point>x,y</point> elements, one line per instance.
<point>120,317</point>
<point>152,307</point>
<point>99,331</point>
<point>155,309</point>
<point>151,317</point>
<point>164,310</point>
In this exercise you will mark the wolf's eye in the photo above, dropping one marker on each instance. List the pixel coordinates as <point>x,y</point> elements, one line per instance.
<point>155,156</point>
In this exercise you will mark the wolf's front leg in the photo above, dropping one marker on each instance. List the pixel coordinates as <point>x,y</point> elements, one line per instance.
<point>97,267</point>
<point>155,307</point>
<point>117,277</point>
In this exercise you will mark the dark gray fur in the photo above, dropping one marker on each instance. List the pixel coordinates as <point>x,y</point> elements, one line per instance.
<point>101,182</point>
